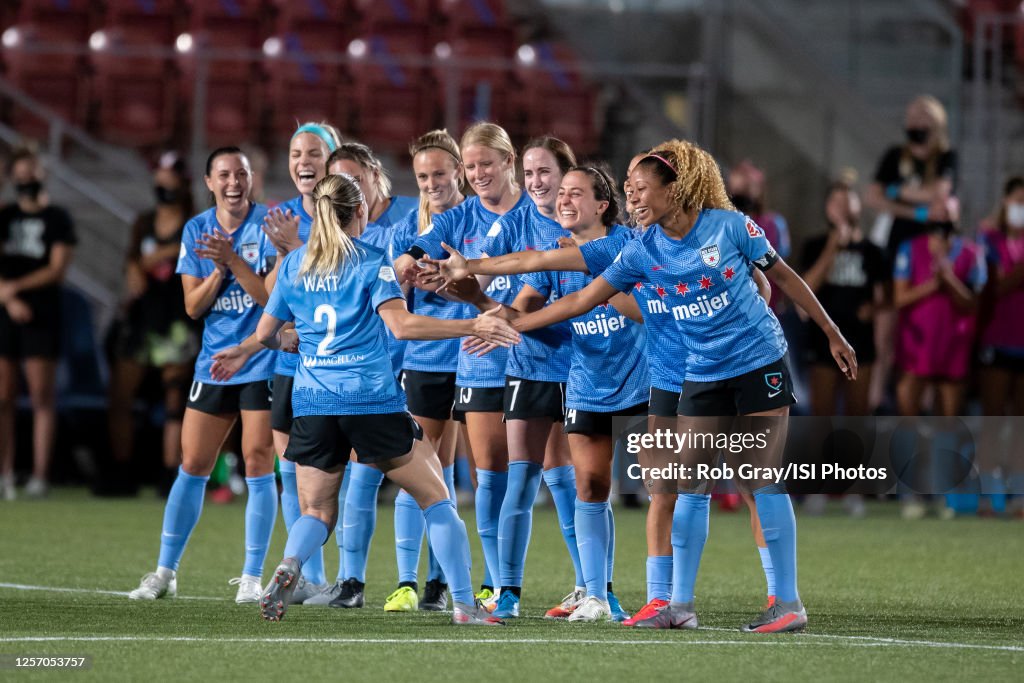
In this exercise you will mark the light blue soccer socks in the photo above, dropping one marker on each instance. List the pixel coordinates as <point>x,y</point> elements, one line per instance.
<point>409,527</point>
<point>515,521</point>
<point>775,510</point>
<point>769,569</point>
<point>313,568</point>
<point>561,482</point>
<point>689,534</point>
<point>260,515</point>
<point>184,505</point>
<point>447,535</point>
<point>593,535</point>
<point>306,537</point>
<point>339,527</point>
<point>490,492</point>
<point>360,519</point>
<point>659,577</point>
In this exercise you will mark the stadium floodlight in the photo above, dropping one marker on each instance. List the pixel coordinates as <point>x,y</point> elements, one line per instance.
<point>616,6</point>
<point>272,46</point>
<point>98,41</point>
<point>442,50</point>
<point>11,37</point>
<point>526,55</point>
<point>357,48</point>
<point>183,44</point>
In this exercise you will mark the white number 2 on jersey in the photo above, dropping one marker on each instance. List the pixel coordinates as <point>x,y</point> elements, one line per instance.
<point>325,311</point>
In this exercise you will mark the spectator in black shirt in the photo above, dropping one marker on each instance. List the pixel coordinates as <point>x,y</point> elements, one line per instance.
<point>154,332</point>
<point>916,182</point>
<point>36,245</point>
<point>847,273</point>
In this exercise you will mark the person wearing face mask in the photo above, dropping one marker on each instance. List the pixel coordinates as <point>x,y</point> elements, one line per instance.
<point>937,279</point>
<point>1002,349</point>
<point>36,244</point>
<point>847,273</point>
<point>916,182</point>
<point>154,332</point>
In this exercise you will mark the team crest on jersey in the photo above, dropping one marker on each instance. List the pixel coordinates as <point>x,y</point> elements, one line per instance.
<point>709,255</point>
<point>774,382</point>
<point>754,230</point>
<point>250,252</point>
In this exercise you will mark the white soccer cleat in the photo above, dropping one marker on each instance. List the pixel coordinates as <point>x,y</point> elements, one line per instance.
<point>7,490</point>
<point>154,587</point>
<point>592,609</point>
<point>249,589</point>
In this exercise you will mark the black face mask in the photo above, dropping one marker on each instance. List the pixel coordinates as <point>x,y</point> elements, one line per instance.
<point>29,190</point>
<point>744,204</point>
<point>918,136</point>
<point>165,195</point>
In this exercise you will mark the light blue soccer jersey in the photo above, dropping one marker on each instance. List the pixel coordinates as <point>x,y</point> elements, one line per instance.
<point>703,280</point>
<point>608,370</point>
<point>286,362</point>
<point>542,355</point>
<point>666,354</point>
<point>234,314</point>
<point>440,355</point>
<point>465,227</point>
<point>344,368</point>
<point>379,234</point>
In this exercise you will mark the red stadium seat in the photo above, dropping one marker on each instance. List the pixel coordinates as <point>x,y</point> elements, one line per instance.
<point>557,99</point>
<point>230,23</point>
<point>375,13</point>
<point>463,16</point>
<point>59,21</point>
<point>387,116</point>
<point>142,22</point>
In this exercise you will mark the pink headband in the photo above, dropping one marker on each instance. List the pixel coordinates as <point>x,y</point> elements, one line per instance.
<point>664,161</point>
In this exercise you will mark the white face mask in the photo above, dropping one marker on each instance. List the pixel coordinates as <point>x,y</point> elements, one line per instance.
<point>1015,215</point>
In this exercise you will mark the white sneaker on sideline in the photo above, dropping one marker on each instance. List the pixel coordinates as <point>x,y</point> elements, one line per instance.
<point>7,489</point>
<point>154,587</point>
<point>36,488</point>
<point>592,609</point>
<point>250,589</point>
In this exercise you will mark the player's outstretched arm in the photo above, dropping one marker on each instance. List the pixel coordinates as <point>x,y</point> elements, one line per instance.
<point>406,325</point>
<point>268,331</point>
<point>793,286</point>
<point>458,267</point>
<point>577,303</point>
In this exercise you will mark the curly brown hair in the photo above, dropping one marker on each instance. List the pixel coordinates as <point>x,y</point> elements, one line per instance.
<point>692,174</point>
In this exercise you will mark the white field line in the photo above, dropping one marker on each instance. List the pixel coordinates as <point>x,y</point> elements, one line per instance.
<point>797,639</point>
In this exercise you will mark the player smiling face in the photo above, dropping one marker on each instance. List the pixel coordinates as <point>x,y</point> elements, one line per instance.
<point>649,201</point>
<point>230,181</point>
<point>577,207</point>
<point>437,176</point>
<point>307,162</point>
<point>488,172</point>
<point>542,176</point>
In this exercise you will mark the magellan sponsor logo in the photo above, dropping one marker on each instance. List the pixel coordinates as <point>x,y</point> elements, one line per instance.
<point>329,361</point>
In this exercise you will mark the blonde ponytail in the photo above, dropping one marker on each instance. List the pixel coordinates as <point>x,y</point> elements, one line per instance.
<point>336,199</point>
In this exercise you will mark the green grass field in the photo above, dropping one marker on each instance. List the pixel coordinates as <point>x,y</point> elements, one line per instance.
<point>887,599</point>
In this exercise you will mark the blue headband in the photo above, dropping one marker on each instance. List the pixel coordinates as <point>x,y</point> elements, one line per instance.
<point>318,131</point>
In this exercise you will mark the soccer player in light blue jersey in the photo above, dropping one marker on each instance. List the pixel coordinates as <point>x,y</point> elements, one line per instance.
<point>736,361</point>
<point>607,377</point>
<point>359,511</point>
<point>287,226</point>
<point>340,293</point>
<point>428,369</point>
<point>535,379</point>
<point>223,261</point>
<point>489,159</point>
